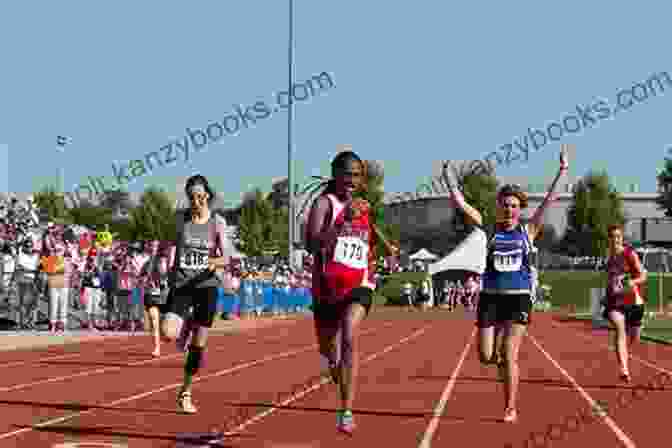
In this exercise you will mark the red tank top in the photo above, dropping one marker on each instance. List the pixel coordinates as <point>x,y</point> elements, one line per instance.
<point>620,269</point>
<point>346,265</point>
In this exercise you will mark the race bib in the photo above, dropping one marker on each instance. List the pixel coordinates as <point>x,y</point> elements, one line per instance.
<point>96,282</point>
<point>352,252</point>
<point>510,261</point>
<point>194,260</point>
<point>155,292</point>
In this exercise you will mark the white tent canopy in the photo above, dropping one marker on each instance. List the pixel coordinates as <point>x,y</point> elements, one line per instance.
<point>469,255</point>
<point>423,254</point>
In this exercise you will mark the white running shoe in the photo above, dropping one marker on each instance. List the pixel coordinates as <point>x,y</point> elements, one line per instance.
<point>185,404</point>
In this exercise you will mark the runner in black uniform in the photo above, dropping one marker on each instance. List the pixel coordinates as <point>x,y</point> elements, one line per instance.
<point>200,250</point>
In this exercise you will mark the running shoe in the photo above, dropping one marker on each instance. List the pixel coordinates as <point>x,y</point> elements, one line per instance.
<point>625,376</point>
<point>185,404</point>
<point>346,422</point>
<point>510,415</point>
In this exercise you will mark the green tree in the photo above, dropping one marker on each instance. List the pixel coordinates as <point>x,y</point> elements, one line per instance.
<point>664,178</point>
<point>89,215</point>
<point>250,233</point>
<point>52,204</point>
<point>280,231</point>
<point>154,218</point>
<point>479,184</point>
<point>119,201</point>
<point>374,194</point>
<point>595,205</point>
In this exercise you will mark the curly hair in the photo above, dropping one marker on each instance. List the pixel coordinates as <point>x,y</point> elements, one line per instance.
<point>513,190</point>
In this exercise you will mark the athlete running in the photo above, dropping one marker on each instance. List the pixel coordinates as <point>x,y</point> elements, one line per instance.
<point>505,298</point>
<point>341,236</point>
<point>150,281</point>
<point>624,307</point>
<point>201,249</point>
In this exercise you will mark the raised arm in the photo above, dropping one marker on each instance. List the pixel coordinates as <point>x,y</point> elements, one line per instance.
<point>537,221</point>
<point>472,215</point>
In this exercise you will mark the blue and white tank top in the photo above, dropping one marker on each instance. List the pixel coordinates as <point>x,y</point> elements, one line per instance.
<point>507,269</point>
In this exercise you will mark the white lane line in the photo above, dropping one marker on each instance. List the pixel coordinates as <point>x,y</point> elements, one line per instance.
<point>636,358</point>
<point>49,358</point>
<point>426,441</point>
<point>109,369</point>
<point>230,370</point>
<point>115,349</point>
<point>625,440</point>
<point>314,387</point>
<point>156,391</point>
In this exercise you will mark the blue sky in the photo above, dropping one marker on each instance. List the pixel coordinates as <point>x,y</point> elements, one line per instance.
<point>415,82</point>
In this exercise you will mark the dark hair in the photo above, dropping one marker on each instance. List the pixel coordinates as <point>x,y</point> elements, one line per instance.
<point>513,190</point>
<point>339,163</point>
<point>613,227</point>
<point>341,160</point>
<point>69,235</point>
<point>199,179</point>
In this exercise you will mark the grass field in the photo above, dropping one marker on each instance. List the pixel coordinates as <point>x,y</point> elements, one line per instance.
<point>568,288</point>
<point>659,329</point>
<point>656,329</point>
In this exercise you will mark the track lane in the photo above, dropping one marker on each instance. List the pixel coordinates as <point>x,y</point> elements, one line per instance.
<point>135,383</point>
<point>640,410</point>
<point>219,395</point>
<point>391,409</point>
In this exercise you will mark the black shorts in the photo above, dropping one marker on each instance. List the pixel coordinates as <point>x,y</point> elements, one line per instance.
<point>497,308</point>
<point>633,313</point>
<point>204,301</point>
<point>329,313</point>
<point>151,301</point>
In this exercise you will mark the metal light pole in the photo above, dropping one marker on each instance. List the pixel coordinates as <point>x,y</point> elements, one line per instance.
<point>290,117</point>
<point>61,142</point>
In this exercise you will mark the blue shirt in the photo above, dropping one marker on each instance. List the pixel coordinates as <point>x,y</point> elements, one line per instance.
<point>507,269</point>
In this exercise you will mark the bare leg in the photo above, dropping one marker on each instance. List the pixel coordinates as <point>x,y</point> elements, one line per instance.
<point>513,337</point>
<point>486,344</point>
<point>634,335</point>
<point>170,327</point>
<point>198,341</point>
<point>327,334</point>
<point>499,343</point>
<point>354,315</point>
<point>617,319</point>
<point>154,324</point>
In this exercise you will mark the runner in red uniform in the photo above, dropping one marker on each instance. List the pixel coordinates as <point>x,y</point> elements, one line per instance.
<point>624,306</point>
<point>341,238</point>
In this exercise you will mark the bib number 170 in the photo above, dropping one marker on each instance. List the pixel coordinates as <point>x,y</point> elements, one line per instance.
<point>351,252</point>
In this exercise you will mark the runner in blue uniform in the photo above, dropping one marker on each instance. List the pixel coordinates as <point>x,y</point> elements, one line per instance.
<point>505,300</point>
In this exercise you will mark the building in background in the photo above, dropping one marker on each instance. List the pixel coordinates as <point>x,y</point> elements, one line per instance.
<point>426,221</point>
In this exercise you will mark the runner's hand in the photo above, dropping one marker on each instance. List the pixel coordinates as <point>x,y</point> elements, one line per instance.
<point>564,163</point>
<point>449,177</point>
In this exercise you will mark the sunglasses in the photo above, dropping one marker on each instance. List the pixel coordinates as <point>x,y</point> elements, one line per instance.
<point>198,195</point>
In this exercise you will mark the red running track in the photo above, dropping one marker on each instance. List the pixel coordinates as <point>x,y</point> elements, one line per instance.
<point>420,385</point>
